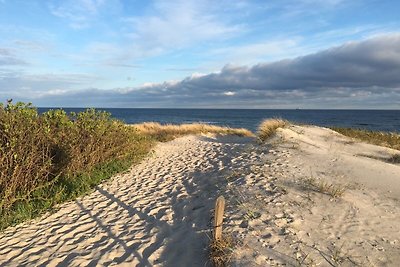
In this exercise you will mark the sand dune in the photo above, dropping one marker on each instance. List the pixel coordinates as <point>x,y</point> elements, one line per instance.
<point>299,225</point>
<point>159,213</point>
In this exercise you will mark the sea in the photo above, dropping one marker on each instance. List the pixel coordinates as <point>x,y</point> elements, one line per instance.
<point>377,120</point>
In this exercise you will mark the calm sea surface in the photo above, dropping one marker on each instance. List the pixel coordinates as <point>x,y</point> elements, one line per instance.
<point>382,120</point>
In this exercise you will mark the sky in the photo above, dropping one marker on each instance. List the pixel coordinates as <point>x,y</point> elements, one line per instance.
<point>329,54</point>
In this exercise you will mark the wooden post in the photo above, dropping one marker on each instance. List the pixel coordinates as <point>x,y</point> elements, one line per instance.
<point>218,217</point>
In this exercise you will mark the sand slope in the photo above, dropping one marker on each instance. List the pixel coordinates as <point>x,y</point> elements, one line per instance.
<point>156,214</point>
<point>298,225</point>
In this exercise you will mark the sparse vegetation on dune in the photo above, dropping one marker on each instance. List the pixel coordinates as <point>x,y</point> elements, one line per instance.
<point>394,159</point>
<point>391,140</point>
<point>317,185</point>
<point>170,131</point>
<point>268,127</point>
<point>221,251</point>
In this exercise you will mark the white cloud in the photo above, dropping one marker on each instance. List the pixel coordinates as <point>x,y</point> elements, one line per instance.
<point>179,24</point>
<point>255,52</point>
<point>82,13</point>
<point>229,93</point>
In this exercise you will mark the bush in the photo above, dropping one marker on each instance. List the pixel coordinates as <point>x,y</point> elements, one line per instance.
<point>52,156</point>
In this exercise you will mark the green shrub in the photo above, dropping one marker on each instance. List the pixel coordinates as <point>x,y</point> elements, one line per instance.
<point>55,156</point>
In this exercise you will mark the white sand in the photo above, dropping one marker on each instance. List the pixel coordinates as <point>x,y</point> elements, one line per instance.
<point>299,226</point>
<point>159,213</point>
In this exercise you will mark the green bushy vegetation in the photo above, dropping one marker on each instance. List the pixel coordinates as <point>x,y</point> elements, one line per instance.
<point>52,157</point>
<point>391,140</point>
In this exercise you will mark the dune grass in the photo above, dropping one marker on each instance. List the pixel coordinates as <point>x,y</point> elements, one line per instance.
<point>317,185</point>
<point>165,132</point>
<point>268,128</point>
<point>221,251</point>
<point>394,159</point>
<point>391,140</point>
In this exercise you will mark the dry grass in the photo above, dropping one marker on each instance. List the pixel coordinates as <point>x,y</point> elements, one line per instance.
<point>268,127</point>
<point>221,251</point>
<point>394,159</point>
<point>333,190</point>
<point>170,131</point>
<point>391,140</point>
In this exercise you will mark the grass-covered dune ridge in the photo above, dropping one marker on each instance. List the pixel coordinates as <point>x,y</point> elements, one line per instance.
<point>387,139</point>
<point>52,157</point>
<point>165,132</point>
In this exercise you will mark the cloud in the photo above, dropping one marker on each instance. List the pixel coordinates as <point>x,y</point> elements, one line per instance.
<point>31,46</point>
<point>20,85</point>
<point>179,24</point>
<point>252,53</point>
<point>82,14</point>
<point>121,65</point>
<point>355,74</point>
<point>8,58</point>
<point>164,27</point>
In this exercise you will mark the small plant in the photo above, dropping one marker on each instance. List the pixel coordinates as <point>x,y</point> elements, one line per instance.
<point>324,187</point>
<point>268,128</point>
<point>303,258</point>
<point>221,251</point>
<point>394,159</point>
<point>251,215</point>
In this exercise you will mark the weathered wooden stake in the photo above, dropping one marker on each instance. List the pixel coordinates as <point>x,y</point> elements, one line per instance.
<point>218,217</point>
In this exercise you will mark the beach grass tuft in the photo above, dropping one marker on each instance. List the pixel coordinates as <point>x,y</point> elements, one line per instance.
<point>394,159</point>
<point>221,251</point>
<point>268,128</point>
<point>333,190</point>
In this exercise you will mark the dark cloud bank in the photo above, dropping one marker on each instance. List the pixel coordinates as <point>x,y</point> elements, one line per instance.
<point>362,74</point>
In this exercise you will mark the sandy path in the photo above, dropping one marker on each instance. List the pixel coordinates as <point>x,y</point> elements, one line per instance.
<point>156,214</point>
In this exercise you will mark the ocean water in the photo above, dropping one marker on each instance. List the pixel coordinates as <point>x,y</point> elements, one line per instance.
<point>380,120</point>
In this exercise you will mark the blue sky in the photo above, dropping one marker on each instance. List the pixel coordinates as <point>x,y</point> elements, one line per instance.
<point>229,54</point>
